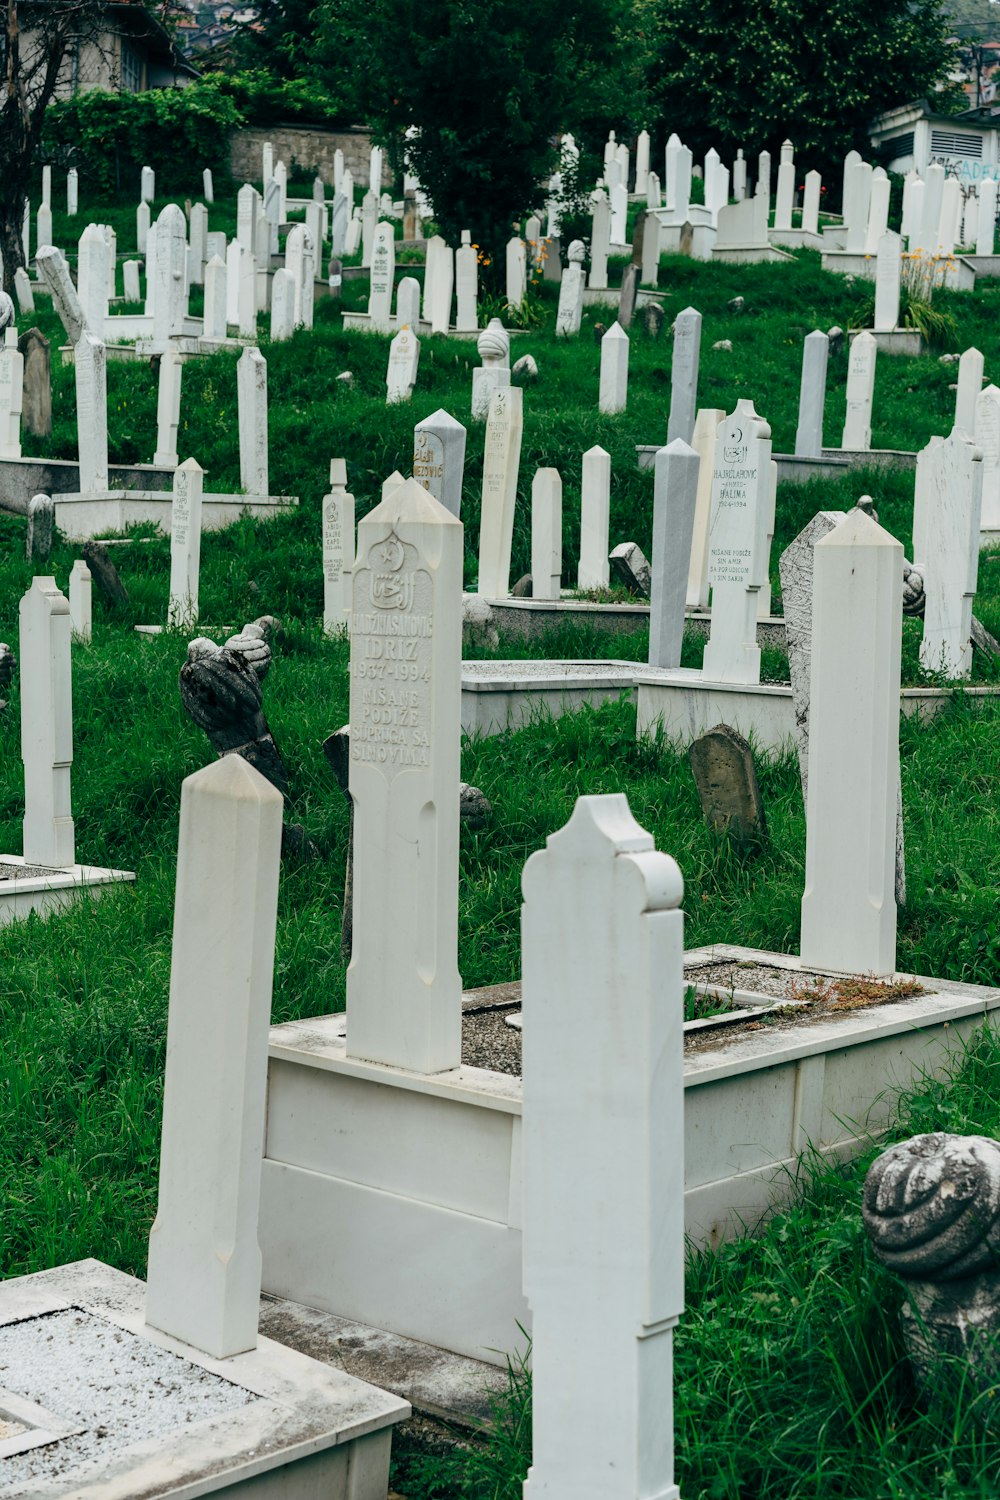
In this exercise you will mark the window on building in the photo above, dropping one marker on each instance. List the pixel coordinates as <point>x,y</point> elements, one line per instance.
<point>131,82</point>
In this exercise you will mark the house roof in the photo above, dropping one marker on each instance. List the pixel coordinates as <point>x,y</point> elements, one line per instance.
<point>132,18</point>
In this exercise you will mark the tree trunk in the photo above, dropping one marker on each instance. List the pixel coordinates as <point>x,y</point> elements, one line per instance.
<point>12,201</point>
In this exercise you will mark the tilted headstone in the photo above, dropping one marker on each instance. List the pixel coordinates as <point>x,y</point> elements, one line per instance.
<point>104,573</point>
<point>726,778</point>
<point>185,545</point>
<point>41,525</point>
<point>90,368</point>
<point>439,458</point>
<point>501,460</point>
<point>675,490</point>
<point>603,1081</point>
<point>738,544</point>
<point>629,567</point>
<point>36,389</point>
<point>81,600</point>
<point>812,395</point>
<point>706,427</point>
<point>849,924</point>
<point>251,391</point>
<point>54,272</point>
<point>595,519</point>
<point>46,725</point>
<point>204,1274</point>
<point>338,549</point>
<point>613,391</point>
<point>546,534</point>
<point>684,375</point>
<point>493,345</point>
<point>404,997</point>
<point>401,373</point>
<point>860,393</point>
<point>627,295</point>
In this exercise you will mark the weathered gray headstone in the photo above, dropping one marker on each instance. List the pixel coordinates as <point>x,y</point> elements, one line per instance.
<point>104,573</point>
<point>629,567</point>
<point>626,297</point>
<point>36,394</point>
<point>41,520</point>
<point>726,778</point>
<point>684,375</point>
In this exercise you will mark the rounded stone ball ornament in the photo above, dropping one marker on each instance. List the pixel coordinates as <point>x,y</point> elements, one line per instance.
<point>931,1207</point>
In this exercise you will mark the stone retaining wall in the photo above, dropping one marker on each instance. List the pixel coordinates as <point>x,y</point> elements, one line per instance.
<point>305,146</point>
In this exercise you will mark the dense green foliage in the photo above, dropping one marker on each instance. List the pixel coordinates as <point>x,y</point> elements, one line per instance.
<point>725,74</point>
<point>109,137</point>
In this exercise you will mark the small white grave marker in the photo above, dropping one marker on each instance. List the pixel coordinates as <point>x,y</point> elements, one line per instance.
<point>613,391</point>
<point>81,600</point>
<point>404,359</point>
<point>595,517</point>
<point>439,458</point>
<point>860,393</point>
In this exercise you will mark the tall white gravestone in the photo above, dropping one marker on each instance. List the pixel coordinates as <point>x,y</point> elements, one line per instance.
<point>684,375</point>
<point>404,994</point>
<point>382,276</point>
<point>987,436</point>
<point>675,493</point>
<point>338,550</point>
<point>251,391</point>
<point>203,1283</point>
<point>46,725</point>
<point>603,1153</point>
<point>11,395</point>
<point>860,393</point>
<point>91,376</point>
<point>501,460</point>
<point>706,427</point>
<point>595,519</point>
<point>849,904</point>
<point>168,408</point>
<point>812,395</point>
<point>546,534</point>
<point>738,544</point>
<point>888,281</point>
<point>185,545</point>
<point>970,383</point>
<point>947,506</point>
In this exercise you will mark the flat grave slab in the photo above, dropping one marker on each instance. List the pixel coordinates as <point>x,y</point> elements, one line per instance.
<point>500,695</point>
<point>97,1406</point>
<point>27,888</point>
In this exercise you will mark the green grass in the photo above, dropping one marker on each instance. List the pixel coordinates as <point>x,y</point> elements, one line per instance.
<point>789,1376</point>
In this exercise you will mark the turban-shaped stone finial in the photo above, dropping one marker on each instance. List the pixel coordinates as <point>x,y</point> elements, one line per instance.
<point>932,1206</point>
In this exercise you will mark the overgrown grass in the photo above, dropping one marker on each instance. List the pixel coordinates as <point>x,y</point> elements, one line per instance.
<point>789,1376</point>
<point>791,1382</point>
